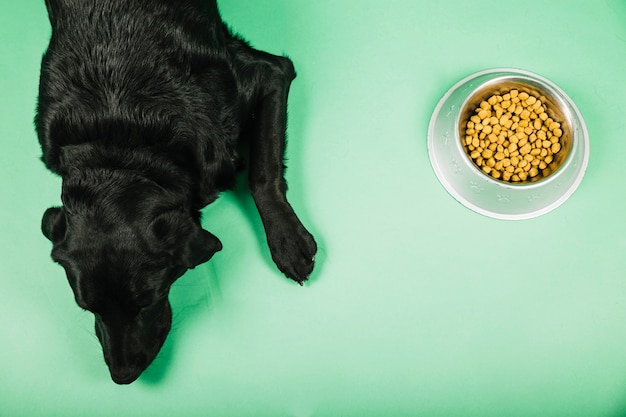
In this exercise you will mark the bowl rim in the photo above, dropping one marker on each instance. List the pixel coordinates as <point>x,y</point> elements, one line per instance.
<point>576,144</point>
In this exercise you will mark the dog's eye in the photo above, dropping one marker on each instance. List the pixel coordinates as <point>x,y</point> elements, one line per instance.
<point>161,228</point>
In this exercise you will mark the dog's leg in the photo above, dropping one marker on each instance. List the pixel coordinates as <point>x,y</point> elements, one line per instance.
<point>291,245</point>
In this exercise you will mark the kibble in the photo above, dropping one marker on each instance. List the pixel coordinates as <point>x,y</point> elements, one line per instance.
<point>511,137</point>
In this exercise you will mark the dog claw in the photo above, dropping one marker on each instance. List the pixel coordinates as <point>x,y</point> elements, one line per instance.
<point>294,254</point>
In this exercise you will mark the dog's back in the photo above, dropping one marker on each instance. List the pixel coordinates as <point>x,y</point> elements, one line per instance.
<point>138,73</point>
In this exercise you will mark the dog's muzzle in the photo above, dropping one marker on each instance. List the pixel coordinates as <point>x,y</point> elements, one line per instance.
<point>130,348</point>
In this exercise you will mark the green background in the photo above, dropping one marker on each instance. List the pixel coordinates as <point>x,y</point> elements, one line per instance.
<point>418,306</point>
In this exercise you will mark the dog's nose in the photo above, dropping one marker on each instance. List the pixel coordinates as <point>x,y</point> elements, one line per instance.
<point>124,376</point>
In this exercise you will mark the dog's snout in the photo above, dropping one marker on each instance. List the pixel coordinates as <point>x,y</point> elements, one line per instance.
<point>130,346</point>
<point>125,370</point>
<point>125,362</point>
<point>124,376</point>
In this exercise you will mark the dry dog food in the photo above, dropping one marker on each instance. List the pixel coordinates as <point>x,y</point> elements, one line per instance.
<point>512,138</point>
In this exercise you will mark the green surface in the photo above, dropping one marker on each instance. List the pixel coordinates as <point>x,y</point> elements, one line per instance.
<point>418,306</point>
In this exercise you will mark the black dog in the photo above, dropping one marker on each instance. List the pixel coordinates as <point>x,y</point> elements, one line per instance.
<point>142,107</point>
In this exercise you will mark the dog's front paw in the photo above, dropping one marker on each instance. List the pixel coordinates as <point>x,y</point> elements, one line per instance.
<point>293,250</point>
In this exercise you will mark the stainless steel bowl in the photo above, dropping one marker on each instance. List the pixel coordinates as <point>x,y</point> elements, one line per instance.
<point>477,190</point>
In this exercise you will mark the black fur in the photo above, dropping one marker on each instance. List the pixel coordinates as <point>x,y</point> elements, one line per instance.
<point>143,106</point>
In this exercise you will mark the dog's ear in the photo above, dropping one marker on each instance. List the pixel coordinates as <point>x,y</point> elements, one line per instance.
<point>199,248</point>
<point>183,240</point>
<point>53,224</point>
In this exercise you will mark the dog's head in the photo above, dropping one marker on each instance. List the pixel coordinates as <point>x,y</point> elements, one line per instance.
<point>122,245</point>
